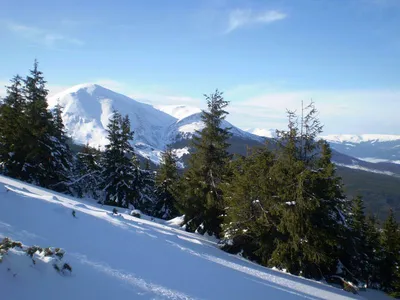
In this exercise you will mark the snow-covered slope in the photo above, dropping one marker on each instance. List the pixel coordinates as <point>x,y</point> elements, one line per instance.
<point>88,107</point>
<point>122,257</point>
<point>187,127</point>
<point>179,111</point>
<point>269,133</point>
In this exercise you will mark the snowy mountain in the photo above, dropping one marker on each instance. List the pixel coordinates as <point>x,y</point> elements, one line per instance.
<point>124,257</point>
<point>179,111</point>
<point>369,147</point>
<point>363,138</point>
<point>269,133</point>
<point>88,107</point>
<point>373,148</point>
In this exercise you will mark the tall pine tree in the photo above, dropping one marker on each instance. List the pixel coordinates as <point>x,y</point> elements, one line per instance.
<point>38,163</point>
<point>87,170</point>
<point>166,186</point>
<point>202,198</point>
<point>309,198</point>
<point>13,130</point>
<point>390,239</point>
<point>118,173</point>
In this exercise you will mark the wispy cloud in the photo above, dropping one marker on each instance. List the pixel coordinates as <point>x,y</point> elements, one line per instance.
<point>337,110</point>
<point>244,17</point>
<point>42,36</point>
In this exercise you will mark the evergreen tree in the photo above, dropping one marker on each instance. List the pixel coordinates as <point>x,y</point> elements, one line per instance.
<point>166,186</point>
<point>39,160</point>
<point>61,155</point>
<point>309,198</point>
<point>201,196</point>
<point>147,165</point>
<point>390,256</point>
<point>359,227</point>
<point>373,252</point>
<point>87,172</point>
<point>250,225</point>
<point>118,174</point>
<point>13,130</point>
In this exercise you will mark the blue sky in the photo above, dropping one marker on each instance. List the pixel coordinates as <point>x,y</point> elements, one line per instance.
<point>265,55</point>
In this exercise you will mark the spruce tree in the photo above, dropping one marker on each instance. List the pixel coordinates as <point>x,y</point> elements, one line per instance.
<point>373,252</point>
<point>87,172</point>
<point>310,199</point>
<point>359,261</point>
<point>118,173</point>
<point>250,225</point>
<point>39,160</point>
<point>202,198</point>
<point>390,240</point>
<point>61,155</point>
<point>13,130</point>
<point>166,186</point>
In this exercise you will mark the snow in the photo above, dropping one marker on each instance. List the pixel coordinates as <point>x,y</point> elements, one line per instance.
<point>179,111</point>
<point>356,139</point>
<point>269,133</point>
<point>123,257</point>
<point>88,107</point>
<point>378,160</point>
<point>181,152</point>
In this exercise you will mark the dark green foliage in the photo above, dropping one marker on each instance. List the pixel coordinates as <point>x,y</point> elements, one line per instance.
<point>309,199</point>
<point>13,129</point>
<point>119,171</point>
<point>359,251</point>
<point>390,239</point>
<point>250,227</point>
<point>201,195</point>
<point>33,144</point>
<point>166,182</point>
<point>87,171</point>
<point>286,208</point>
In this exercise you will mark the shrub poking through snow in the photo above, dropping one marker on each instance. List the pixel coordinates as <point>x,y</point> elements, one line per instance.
<point>136,213</point>
<point>49,254</point>
<point>7,244</point>
<point>74,213</point>
<point>115,211</point>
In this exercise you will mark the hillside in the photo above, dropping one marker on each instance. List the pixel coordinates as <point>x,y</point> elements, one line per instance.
<point>124,257</point>
<point>380,192</point>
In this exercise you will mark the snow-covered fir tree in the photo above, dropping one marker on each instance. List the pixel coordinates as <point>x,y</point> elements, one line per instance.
<point>166,186</point>
<point>87,170</point>
<point>119,175</point>
<point>13,130</point>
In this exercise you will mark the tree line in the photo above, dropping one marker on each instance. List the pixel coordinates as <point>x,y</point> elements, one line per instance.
<point>281,205</point>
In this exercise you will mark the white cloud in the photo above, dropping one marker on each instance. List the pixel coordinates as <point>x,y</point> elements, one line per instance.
<point>41,36</point>
<point>244,17</point>
<point>342,111</point>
